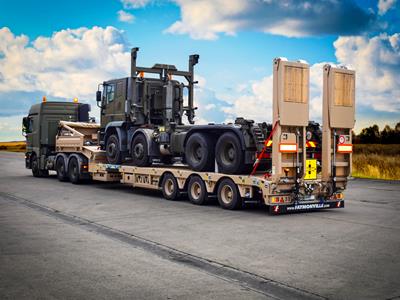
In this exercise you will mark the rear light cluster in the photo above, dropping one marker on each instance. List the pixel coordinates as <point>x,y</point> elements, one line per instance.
<point>345,148</point>
<point>280,199</point>
<point>338,196</point>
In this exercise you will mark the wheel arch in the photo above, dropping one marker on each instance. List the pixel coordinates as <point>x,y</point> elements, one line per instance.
<point>151,147</point>
<point>118,128</point>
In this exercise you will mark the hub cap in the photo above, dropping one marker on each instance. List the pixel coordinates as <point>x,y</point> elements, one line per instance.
<point>226,194</point>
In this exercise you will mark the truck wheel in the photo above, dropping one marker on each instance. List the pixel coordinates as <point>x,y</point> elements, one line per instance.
<point>113,152</point>
<point>36,172</point>
<point>73,170</point>
<point>197,191</point>
<point>140,153</point>
<point>199,152</point>
<point>229,154</point>
<point>170,188</point>
<point>228,195</point>
<point>60,169</point>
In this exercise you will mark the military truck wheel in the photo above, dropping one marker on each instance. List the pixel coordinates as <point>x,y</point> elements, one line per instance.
<point>113,152</point>
<point>170,188</point>
<point>197,191</point>
<point>36,172</point>
<point>139,150</point>
<point>73,170</point>
<point>228,195</point>
<point>60,169</point>
<point>199,152</point>
<point>229,154</point>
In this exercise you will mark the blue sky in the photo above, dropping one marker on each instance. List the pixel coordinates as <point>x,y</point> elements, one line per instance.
<point>63,49</point>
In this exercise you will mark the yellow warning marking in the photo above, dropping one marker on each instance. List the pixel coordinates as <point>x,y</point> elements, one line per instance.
<point>311,169</point>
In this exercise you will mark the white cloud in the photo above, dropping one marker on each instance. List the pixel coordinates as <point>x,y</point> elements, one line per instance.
<point>206,19</point>
<point>128,4</point>
<point>385,5</point>
<point>70,63</point>
<point>376,61</point>
<point>126,17</point>
<point>11,128</point>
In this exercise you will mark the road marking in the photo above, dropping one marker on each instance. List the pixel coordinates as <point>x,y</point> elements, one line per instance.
<point>228,273</point>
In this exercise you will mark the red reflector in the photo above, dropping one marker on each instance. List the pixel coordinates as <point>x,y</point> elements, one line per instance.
<point>288,148</point>
<point>345,148</point>
<point>276,208</point>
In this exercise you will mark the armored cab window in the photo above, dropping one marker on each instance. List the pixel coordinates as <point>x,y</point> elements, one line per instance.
<point>296,84</point>
<point>344,89</point>
<point>110,92</point>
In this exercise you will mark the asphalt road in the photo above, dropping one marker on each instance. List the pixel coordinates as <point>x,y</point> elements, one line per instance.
<point>101,241</point>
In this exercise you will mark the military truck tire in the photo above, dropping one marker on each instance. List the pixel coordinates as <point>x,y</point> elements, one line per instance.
<point>60,169</point>
<point>229,154</point>
<point>139,151</point>
<point>113,152</point>
<point>73,170</point>
<point>199,152</point>
<point>228,195</point>
<point>36,172</point>
<point>197,191</point>
<point>170,188</point>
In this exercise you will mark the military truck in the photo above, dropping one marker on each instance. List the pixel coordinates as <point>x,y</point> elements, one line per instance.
<point>142,121</point>
<point>40,128</point>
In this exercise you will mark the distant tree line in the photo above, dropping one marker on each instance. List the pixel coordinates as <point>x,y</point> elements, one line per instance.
<point>372,135</point>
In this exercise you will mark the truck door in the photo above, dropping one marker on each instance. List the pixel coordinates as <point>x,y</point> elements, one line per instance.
<point>338,120</point>
<point>114,99</point>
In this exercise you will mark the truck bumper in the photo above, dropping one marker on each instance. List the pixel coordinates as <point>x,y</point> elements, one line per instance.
<point>304,206</point>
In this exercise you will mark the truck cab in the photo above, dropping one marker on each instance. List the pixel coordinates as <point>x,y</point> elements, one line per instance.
<point>40,129</point>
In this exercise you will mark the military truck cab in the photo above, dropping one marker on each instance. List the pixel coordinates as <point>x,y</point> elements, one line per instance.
<point>40,128</point>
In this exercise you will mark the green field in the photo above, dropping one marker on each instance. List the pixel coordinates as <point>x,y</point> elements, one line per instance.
<point>376,161</point>
<point>13,146</point>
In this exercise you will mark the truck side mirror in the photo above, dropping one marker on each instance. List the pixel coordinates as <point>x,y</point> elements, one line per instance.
<point>25,126</point>
<point>99,99</point>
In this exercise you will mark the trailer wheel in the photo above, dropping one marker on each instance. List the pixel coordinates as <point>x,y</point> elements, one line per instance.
<point>73,170</point>
<point>228,195</point>
<point>229,154</point>
<point>197,191</point>
<point>139,150</point>
<point>36,171</point>
<point>170,188</point>
<point>113,152</point>
<point>199,152</point>
<point>60,169</point>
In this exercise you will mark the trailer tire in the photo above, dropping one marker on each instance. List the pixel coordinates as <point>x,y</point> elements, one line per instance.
<point>113,151</point>
<point>229,154</point>
<point>228,195</point>
<point>170,188</point>
<point>36,171</point>
<point>74,173</point>
<point>199,152</point>
<point>197,191</point>
<point>60,169</point>
<point>140,152</point>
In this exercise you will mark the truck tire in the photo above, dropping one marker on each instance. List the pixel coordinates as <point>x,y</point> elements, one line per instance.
<point>60,169</point>
<point>74,172</point>
<point>229,154</point>
<point>170,188</point>
<point>228,195</point>
<point>197,191</point>
<point>140,152</point>
<point>113,151</point>
<point>36,171</point>
<point>199,152</point>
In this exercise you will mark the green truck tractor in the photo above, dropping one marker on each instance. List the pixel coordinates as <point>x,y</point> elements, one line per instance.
<point>40,128</point>
<point>142,122</point>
